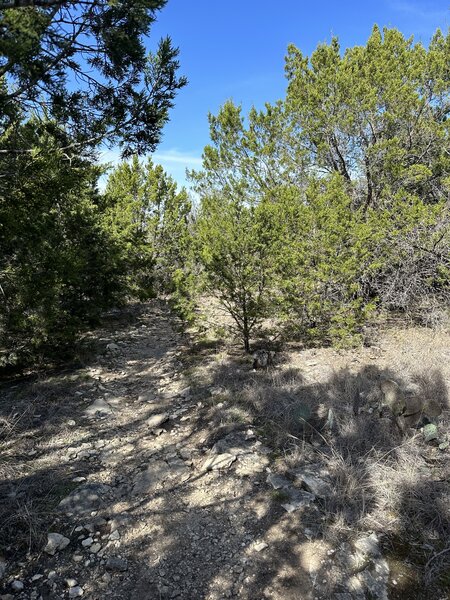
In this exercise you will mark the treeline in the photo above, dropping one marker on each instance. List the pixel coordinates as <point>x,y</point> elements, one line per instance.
<point>334,201</point>
<point>313,212</point>
<point>76,78</point>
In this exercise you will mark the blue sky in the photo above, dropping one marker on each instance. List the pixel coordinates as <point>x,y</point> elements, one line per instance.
<point>236,50</point>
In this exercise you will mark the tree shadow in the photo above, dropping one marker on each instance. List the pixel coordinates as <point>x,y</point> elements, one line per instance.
<point>198,538</point>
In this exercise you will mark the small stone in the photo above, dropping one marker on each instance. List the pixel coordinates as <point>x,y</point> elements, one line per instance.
<point>75,592</point>
<point>71,423</point>
<point>17,585</point>
<point>55,542</point>
<point>51,575</point>
<point>87,542</point>
<point>37,577</point>
<point>444,445</point>
<point>95,548</point>
<point>116,564</point>
<point>78,479</point>
<point>115,535</point>
<point>71,582</point>
<point>77,557</point>
<point>261,546</point>
<point>156,420</point>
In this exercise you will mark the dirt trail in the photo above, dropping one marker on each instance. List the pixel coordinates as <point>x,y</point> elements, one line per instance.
<point>183,519</point>
<point>155,495</point>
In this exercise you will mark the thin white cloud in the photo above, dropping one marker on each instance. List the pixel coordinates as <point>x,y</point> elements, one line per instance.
<point>416,10</point>
<point>175,156</point>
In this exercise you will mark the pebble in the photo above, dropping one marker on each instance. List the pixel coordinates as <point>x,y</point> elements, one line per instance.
<point>87,542</point>
<point>261,546</point>
<point>116,564</point>
<point>17,585</point>
<point>95,548</point>
<point>74,592</point>
<point>71,582</point>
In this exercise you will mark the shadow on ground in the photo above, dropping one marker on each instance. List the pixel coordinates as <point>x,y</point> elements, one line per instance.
<point>196,538</point>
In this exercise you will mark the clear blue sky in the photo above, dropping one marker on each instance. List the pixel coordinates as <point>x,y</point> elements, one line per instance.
<point>236,50</point>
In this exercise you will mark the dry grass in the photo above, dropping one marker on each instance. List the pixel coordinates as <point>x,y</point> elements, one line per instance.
<point>305,406</point>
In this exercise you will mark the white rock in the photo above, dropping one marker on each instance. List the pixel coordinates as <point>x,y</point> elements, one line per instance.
<point>75,592</point>
<point>156,420</point>
<point>261,546</point>
<point>55,542</point>
<point>71,582</point>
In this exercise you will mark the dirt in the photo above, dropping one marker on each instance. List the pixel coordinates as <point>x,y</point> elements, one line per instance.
<point>165,477</point>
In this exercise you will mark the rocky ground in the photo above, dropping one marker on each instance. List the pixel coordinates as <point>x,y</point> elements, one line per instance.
<point>139,476</point>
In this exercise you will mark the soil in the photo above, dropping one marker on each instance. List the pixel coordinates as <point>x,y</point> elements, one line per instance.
<point>162,484</point>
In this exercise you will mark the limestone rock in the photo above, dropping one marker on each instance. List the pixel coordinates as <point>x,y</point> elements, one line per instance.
<point>99,408</point>
<point>278,481</point>
<point>156,420</point>
<point>55,542</point>
<point>218,461</point>
<point>314,480</point>
<point>75,592</point>
<point>116,564</point>
<point>85,499</point>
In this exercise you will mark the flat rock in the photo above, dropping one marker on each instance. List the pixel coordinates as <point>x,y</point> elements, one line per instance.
<point>55,542</point>
<point>116,564</point>
<point>278,481</point>
<point>156,420</point>
<point>313,481</point>
<point>218,461</point>
<point>85,499</point>
<point>99,408</point>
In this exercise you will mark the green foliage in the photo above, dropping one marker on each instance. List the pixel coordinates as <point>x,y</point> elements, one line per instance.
<point>149,219</point>
<point>58,268</point>
<point>121,94</point>
<point>236,259</point>
<point>376,114</point>
<point>331,203</point>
